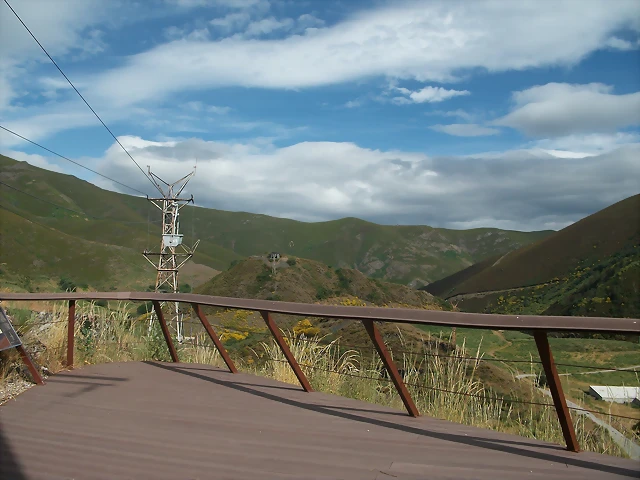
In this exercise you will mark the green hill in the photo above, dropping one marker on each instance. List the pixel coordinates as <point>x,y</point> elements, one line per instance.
<point>589,268</point>
<point>118,227</point>
<point>308,281</point>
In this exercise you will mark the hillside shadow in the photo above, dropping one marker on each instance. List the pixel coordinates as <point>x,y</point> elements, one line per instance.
<point>499,445</point>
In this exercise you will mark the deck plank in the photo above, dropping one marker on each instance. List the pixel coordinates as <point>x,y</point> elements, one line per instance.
<point>185,421</point>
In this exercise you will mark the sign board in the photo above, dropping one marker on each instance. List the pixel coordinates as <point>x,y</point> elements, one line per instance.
<point>8,336</point>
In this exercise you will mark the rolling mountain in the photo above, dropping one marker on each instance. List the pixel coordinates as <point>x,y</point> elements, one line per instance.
<point>589,268</point>
<point>118,227</point>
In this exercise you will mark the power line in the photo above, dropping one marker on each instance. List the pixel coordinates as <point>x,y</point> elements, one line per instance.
<point>45,201</point>
<point>128,262</point>
<point>71,210</point>
<point>73,86</point>
<point>69,160</point>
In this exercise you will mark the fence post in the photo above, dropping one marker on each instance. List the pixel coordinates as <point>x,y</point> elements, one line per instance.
<point>214,337</point>
<point>553,380</point>
<point>26,359</point>
<point>165,331</point>
<point>71,328</point>
<point>275,331</point>
<point>381,348</point>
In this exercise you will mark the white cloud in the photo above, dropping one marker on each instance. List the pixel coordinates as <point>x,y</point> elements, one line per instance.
<point>559,109</point>
<point>427,42</point>
<point>353,104</point>
<point>586,145</point>
<point>525,189</point>
<point>234,4</point>
<point>435,94</point>
<point>33,159</point>
<point>459,113</point>
<point>267,25</point>
<point>621,44</point>
<point>231,21</point>
<point>465,130</point>
<point>62,27</point>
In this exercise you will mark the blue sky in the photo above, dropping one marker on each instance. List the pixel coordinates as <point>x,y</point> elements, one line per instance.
<point>455,114</point>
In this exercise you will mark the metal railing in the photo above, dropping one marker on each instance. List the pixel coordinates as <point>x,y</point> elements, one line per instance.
<point>539,326</point>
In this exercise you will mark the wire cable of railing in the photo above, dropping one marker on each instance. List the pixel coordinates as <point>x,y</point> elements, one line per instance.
<point>423,352</point>
<point>453,392</point>
<point>401,351</point>
<point>380,379</point>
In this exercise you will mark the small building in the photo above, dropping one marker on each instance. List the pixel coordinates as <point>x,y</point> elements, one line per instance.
<point>274,256</point>
<point>614,394</point>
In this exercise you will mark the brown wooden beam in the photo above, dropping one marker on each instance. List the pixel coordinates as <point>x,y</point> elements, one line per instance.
<point>214,337</point>
<point>275,331</point>
<point>165,331</point>
<point>35,374</point>
<point>553,380</point>
<point>71,328</point>
<point>385,356</point>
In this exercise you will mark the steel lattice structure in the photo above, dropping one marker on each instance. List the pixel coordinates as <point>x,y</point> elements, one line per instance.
<point>173,253</point>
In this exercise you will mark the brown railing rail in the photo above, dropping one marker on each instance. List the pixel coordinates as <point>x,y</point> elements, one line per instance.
<point>538,325</point>
<point>397,315</point>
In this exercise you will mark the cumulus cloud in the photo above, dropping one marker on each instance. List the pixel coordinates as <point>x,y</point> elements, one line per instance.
<point>465,130</point>
<point>33,159</point>
<point>435,94</point>
<point>559,109</point>
<point>431,41</point>
<point>620,44</point>
<point>522,189</point>
<point>586,145</point>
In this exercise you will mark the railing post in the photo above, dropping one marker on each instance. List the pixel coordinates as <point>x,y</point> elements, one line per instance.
<point>376,338</point>
<point>559,400</point>
<point>214,337</point>
<point>71,328</point>
<point>165,331</point>
<point>275,331</point>
<point>26,359</point>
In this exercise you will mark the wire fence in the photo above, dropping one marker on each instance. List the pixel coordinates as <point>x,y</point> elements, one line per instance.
<point>380,378</point>
<point>401,351</point>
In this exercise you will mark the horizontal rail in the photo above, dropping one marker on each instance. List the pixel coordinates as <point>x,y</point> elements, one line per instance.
<point>398,315</point>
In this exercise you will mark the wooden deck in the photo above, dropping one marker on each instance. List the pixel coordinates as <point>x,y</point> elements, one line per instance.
<point>156,420</point>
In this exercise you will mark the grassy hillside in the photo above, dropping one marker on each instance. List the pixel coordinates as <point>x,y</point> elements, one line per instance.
<point>445,285</point>
<point>603,288</point>
<point>592,239</point>
<point>308,281</point>
<point>589,268</point>
<point>413,255</point>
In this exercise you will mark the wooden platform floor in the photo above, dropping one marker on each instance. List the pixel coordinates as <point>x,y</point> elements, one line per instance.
<point>157,420</point>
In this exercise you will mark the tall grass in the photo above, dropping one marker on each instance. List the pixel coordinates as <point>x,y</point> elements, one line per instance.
<point>443,387</point>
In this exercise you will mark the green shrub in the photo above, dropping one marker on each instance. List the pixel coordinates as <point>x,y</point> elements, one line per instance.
<point>144,308</point>
<point>322,293</point>
<point>291,261</point>
<point>66,285</point>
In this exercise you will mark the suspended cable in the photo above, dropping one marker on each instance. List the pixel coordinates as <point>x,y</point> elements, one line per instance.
<point>69,160</point>
<point>127,261</point>
<point>45,201</point>
<point>77,91</point>
<point>71,210</point>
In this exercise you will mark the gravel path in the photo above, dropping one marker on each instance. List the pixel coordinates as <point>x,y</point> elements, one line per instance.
<point>9,390</point>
